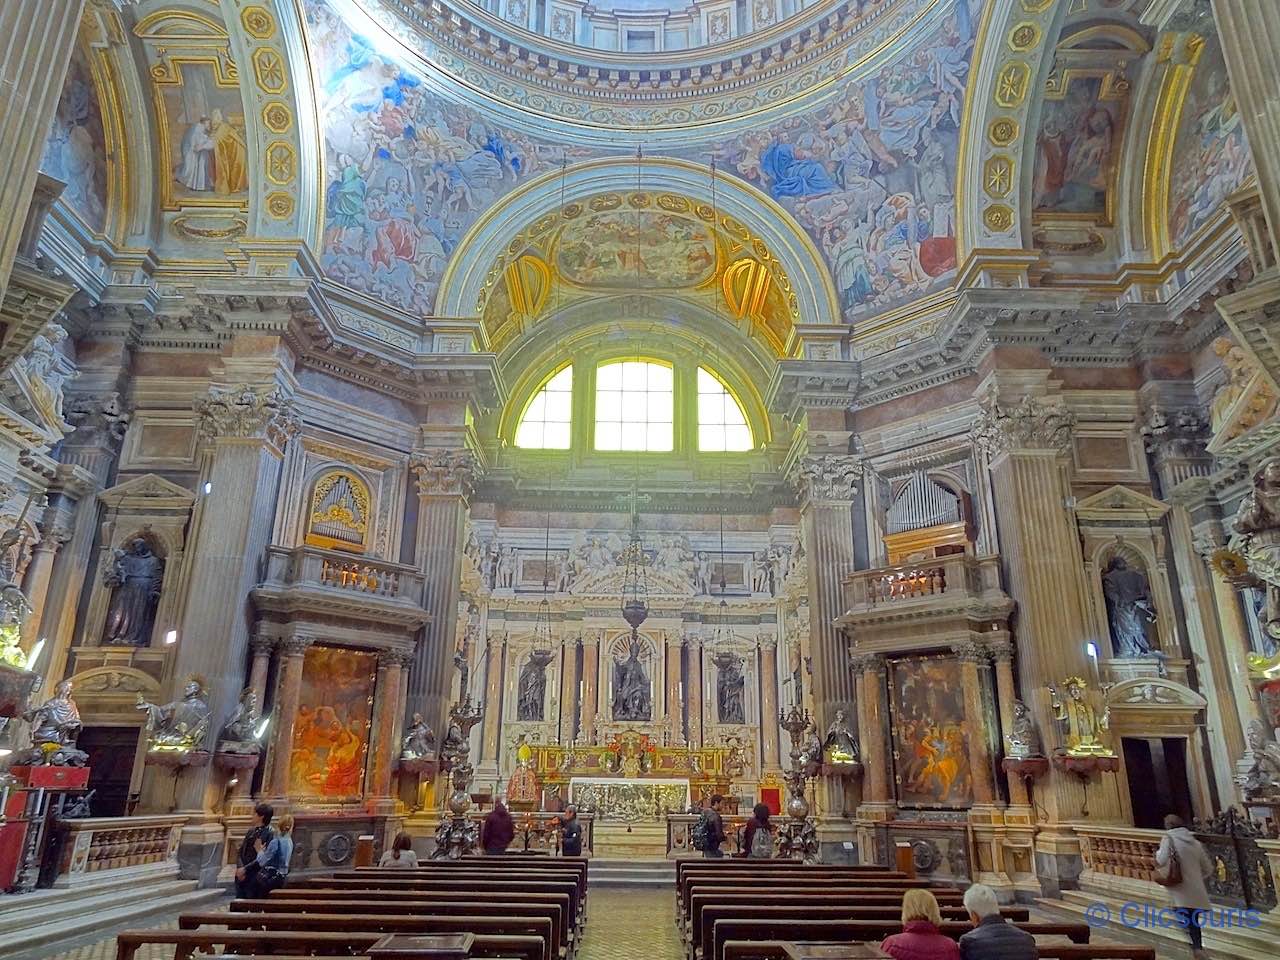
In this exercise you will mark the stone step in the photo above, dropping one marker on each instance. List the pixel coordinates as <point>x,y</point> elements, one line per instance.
<point>647,872</point>
<point>115,909</point>
<point>57,903</point>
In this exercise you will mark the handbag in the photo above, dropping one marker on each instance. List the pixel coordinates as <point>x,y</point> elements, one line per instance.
<point>1170,874</point>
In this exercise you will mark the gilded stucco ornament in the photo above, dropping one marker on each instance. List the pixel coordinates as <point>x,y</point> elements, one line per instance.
<point>1030,424</point>
<point>246,411</point>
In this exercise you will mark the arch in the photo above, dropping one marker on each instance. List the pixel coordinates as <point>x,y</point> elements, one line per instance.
<point>339,511</point>
<point>484,251</point>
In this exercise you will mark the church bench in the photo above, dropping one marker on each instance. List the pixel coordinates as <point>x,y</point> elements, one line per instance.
<point>701,928</point>
<point>426,886</point>
<point>727,865</point>
<point>857,898</point>
<point>555,912</point>
<point>792,885</point>
<point>482,873</point>
<point>380,923</point>
<point>783,950</point>
<point>799,927</point>
<point>537,859</point>
<point>306,943</point>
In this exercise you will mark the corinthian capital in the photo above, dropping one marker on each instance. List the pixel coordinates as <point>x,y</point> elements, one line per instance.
<point>1030,424</point>
<point>445,471</point>
<point>247,411</point>
<point>827,477</point>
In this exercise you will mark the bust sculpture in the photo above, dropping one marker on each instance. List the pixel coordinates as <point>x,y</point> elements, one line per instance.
<point>135,573</point>
<point>240,733</point>
<point>180,726</point>
<point>1081,724</point>
<point>55,724</point>
<point>840,747</point>
<point>419,740</point>
<point>1023,740</point>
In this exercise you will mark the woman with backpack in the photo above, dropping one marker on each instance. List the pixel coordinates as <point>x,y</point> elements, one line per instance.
<point>757,837</point>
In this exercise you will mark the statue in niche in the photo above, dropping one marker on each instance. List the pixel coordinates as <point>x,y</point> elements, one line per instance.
<point>840,747</point>
<point>779,567</point>
<point>179,726</point>
<point>632,699</point>
<point>532,693</point>
<point>506,576</point>
<point>1258,604</point>
<point>1257,537</point>
<point>1262,779</point>
<point>55,724</point>
<point>730,688</point>
<point>759,572</point>
<point>240,732</point>
<point>1130,609</point>
<point>702,574</point>
<point>1023,740</point>
<point>796,666</point>
<point>419,740</point>
<point>136,574</point>
<point>811,752</point>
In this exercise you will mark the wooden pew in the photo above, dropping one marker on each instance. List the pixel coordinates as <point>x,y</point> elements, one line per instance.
<point>306,943</point>
<point>784,950</point>
<point>782,896</point>
<point>794,885</point>
<point>556,912</point>
<point>702,923</point>
<point>475,874</point>
<point>425,885</point>
<point>793,928</point>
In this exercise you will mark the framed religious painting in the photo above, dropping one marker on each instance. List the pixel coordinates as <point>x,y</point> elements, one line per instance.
<point>927,720</point>
<point>331,732</point>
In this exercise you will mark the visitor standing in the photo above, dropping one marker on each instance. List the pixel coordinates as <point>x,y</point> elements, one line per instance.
<point>571,833</point>
<point>709,830</point>
<point>247,858</point>
<point>498,831</point>
<point>757,837</point>
<point>273,859</point>
<point>1183,865</point>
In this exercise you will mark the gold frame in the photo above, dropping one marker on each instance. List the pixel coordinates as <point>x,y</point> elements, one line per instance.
<point>360,490</point>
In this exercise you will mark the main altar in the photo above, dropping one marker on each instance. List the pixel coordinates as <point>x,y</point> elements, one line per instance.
<point>632,777</point>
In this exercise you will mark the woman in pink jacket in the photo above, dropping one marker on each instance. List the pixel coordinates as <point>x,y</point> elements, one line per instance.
<point>920,939</point>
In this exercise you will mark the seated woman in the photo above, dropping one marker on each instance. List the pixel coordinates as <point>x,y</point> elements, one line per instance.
<point>401,855</point>
<point>920,939</point>
<point>498,830</point>
<point>273,859</point>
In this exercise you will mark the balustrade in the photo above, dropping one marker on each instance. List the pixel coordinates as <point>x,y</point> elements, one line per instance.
<point>98,844</point>
<point>1120,852</point>
<point>314,566</point>
<point>955,576</point>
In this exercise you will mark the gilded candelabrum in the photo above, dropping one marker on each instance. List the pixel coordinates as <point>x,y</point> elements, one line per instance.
<point>459,835</point>
<point>798,835</point>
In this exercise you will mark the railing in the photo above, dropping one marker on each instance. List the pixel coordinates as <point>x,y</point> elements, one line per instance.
<point>314,566</point>
<point>680,834</point>
<point>946,576</point>
<point>1119,851</point>
<point>540,831</point>
<point>98,844</point>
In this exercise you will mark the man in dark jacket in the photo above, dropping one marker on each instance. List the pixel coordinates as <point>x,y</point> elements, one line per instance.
<point>715,828</point>
<point>247,860</point>
<point>992,937</point>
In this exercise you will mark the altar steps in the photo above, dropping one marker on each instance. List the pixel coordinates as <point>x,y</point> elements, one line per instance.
<point>31,922</point>
<point>648,873</point>
<point>637,841</point>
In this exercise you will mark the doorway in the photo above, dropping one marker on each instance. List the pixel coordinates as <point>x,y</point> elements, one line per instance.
<point>1156,769</point>
<point>111,752</point>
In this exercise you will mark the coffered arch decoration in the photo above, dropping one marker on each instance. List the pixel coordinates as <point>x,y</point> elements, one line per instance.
<point>547,244</point>
<point>340,511</point>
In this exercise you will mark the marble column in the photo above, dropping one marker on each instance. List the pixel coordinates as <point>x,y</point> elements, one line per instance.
<point>770,758</point>
<point>693,693</point>
<point>291,652</point>
<point>246,429</point>
<point>386,707</point>
<point>35,582</point>
<point>1026,441</point>
<point>37,38</point>
<point>1002,653</point>
<point>495,648</point>
<point>568,688</point>
<point>1250,36</point>
<point>974,660</point>
<point>675,704</point>
<point>445,480</point>
<point>590,677</point>
<point>873,731</point>
<point>260,647</point>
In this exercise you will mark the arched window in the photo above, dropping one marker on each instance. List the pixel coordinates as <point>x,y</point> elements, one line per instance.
<point>547,421</point>
<point>635,406</point>
<point>722,426</point>
<point>339,518</point>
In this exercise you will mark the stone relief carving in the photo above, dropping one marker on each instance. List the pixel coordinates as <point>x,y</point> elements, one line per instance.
<point>135,575</point>
<point>247,411</point>
<point>95,413</point>
<point>1030,424</point>
<point>827,477</point>
<point>1226,408</point>
<point>47,370</point>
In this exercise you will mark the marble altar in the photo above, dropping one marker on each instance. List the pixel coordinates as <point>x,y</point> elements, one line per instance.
<point>629,801</point>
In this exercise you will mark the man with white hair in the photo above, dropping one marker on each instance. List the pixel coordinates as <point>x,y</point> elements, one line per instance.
<point>992,937</point>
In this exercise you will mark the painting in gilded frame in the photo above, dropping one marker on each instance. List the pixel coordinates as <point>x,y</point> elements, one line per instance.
<point>930,758</point>
<point>1078,146</point>
<point>204,146</point>
<point>331,733</point>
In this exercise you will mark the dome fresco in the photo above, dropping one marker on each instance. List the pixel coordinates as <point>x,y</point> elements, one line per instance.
<point>868,172</point>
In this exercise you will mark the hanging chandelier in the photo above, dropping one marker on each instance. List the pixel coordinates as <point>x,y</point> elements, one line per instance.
<point>635,584</point>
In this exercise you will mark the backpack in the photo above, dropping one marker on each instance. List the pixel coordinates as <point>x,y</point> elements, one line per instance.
<point>761,844</point>
<point>701,833</point>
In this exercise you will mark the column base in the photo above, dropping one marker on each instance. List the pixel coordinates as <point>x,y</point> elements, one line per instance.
<point>1058,861</point>
<point>837,840</point>
<point>202,852</point>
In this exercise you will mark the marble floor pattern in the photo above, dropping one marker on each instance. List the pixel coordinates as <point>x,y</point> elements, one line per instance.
<point>621,925</point>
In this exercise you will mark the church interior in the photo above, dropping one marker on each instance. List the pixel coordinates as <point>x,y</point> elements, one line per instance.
<point>413,410</point>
